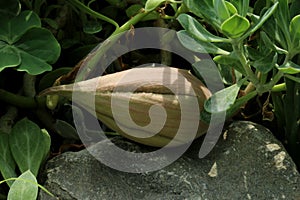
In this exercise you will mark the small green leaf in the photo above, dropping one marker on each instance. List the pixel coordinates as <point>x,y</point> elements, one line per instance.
<point>9,57</point>
<point>40,42</point>
<point>133,10</point>
<point>32,65</point>
<point>231,9</point>
<point>66,130</point>
<point>92,27</point>
<point>242,6</point>
<point>221,9</point>
<point>29,145</point>
<point>282,16</point>
<point>296,79</point>
<point>271,45</point>
<point>262,20</point>
<point>205,9</point>
<point>198,46</point>
<point>289,68</point>
<point>152,4</point>
<point>266,64</point>
<point>194,28</point>
<point>226,59</point>
<point>223,99</point>
<point>10,8</point>
<point>25,187</point>
<point>7,163</point>
<point>294,29</point>
<point>235,26</point>
<point>13,29</point>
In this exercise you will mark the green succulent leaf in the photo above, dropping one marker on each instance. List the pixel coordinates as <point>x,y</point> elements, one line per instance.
<point>294,30</point>
<point>152,4</point>
<point>282,16</point>
<point>205,9</point>
<point>39,42</point>
<point>7,163</point>
<point>29,145</point>
<point>26,46</point>
<point>223,99</point>
<point>289,68</point>
<point>92,27</point>
<point>226,59</point>
<point>25,187</point>
<point>262,20</point>
<point>270,44</point>
<point>9,8</point>
<point>294,78</point>
<point>9,57</point>
<point>221,9</point>
<point>12,30</point>
<point>242,6</point>
<point>194,28</point>
<point>231,8</point>
<point>266,63</point>
<point>197,45</point>
<point>235,26</point>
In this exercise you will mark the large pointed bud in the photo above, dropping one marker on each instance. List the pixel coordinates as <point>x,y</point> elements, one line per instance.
<point>147,105</point>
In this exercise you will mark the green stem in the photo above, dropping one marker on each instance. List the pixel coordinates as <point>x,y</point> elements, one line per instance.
<point>130,22</point>
<point>93,13</point>
<point>237,48</point>
<point>21,101</point>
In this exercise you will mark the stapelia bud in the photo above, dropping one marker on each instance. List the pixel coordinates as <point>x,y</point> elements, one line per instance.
<point>136,91</point>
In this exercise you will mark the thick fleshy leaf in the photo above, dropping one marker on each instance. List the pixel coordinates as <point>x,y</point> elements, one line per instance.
<point>266,63</point>
<point>92,27</point>
<point>29,145</point>
<point>40,42</point>
<point>235,26</point>
<point>25,187</point>
<point>13,29</point>
<point>9,57</point>
<point>242,6</point>
<point>32,65</point>
<point>270,44</point>
<point>294,28</point>
<point>294,78</point>
<point>221,9</point>
<point>204,9</point>
<point>9,8</point>
<point>66,130</point>
<point>198,46</point>
<point>230,7</point>
<point>194,28</point>
<point>290,68</point>
<point>282,16</point>
<point>7,163</point>
<point>226,59</point>
<point>262,20</point>
<point>223,99</point>
<point>152,4</point>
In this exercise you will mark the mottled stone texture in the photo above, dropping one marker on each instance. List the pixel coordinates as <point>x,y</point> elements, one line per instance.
<point>249,164</point>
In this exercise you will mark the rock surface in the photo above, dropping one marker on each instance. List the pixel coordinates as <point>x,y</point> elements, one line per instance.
<point>249,164</point>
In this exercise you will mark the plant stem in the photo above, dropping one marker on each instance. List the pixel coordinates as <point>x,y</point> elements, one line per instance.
<point>128,25</point>
<point>238,49</point>
<point>21,101</point>
<point>93,13</point>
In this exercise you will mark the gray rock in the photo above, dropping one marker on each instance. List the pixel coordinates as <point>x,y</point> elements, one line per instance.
<point>250,164</point>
